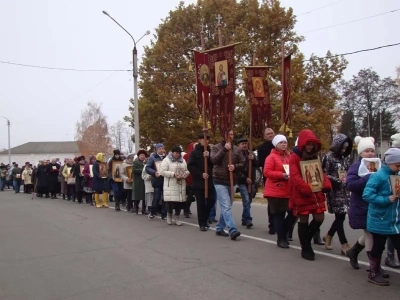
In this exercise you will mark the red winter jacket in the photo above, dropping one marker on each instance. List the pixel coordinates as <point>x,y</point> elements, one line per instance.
<point>276,186</point>
<point>301,198</point>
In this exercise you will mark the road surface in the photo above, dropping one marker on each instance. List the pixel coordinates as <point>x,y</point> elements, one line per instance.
<point>54,249</point>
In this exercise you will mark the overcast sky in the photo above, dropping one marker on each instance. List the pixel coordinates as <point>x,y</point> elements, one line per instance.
<point>43,105</point>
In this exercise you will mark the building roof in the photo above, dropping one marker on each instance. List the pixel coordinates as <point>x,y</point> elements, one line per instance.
<point>44,148</point>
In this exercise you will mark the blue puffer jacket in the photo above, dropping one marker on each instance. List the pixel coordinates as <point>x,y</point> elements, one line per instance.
<point>383,215</point>
<point>151,169</point>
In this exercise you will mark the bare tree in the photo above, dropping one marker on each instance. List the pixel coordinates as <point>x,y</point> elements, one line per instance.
<point>92,130</point>
<point>130,136</point>
<point>367,96</point>
<point>118,135</point>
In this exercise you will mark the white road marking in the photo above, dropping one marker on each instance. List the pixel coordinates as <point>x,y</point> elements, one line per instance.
<point>364,263</point>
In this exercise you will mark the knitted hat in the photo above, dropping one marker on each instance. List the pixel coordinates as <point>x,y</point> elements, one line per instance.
<point>116,152</point>
<point>364,143</point>
<point>395,140</point>
<point>176,149</point>
<point>392,156</point>
<point>159,145</point>
<point>278,138</point>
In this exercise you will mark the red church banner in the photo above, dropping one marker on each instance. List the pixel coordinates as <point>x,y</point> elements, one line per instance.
<point>259,98</point>
<point>202,82</point>
<point>286,106</point>
<point>222,79</point>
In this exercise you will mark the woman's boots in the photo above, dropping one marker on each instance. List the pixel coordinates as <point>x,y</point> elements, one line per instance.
<point>390,260</point>
<point>328,242</point>
<point>352,254</point>
<point>317,238</point>
<point>305,241</point>
<point>375,275</point>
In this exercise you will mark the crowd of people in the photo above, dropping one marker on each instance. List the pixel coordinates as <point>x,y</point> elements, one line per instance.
<point>298,184</point>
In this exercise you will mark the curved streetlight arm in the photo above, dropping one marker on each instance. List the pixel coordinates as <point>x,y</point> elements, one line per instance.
<point>135,79</point>
<point>106,13</point>
<point>147,33</point>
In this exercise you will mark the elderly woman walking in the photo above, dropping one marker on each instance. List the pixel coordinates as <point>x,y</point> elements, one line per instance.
<point>174,170</point>
<point>138,193</point>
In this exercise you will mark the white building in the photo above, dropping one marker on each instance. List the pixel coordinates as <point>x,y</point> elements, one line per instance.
<point>33,152</point>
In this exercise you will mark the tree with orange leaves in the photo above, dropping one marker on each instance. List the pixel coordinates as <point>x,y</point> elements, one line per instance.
<point>92,131</point>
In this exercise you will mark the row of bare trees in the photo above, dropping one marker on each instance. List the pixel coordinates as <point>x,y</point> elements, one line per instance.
<point>94,135</point>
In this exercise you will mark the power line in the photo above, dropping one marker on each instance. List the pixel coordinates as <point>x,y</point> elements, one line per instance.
<point>352,21</point>
<point>315,9</point>
<point>354,52</point>
<point>61,69</point>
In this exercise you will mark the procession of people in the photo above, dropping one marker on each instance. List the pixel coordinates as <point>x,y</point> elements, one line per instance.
<point>165,183</point>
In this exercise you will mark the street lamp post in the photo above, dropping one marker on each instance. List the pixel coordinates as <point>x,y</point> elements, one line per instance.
<point>9,147</point>
<point>135,84</point>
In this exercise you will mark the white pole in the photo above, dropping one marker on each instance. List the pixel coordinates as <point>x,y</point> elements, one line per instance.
<point>380,129</point>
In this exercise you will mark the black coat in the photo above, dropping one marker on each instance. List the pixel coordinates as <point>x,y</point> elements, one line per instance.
<point>196,168</point>
<point>76,173</point>
<point>42,176</point>
<point>244,174</point>
<point>263,151</point>
<point>52,173</point>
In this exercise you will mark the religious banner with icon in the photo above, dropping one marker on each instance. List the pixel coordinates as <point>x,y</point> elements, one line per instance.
<point>202,82</point>
<point>259,98</point>
<point>221,62</point>
<point>286,106</point>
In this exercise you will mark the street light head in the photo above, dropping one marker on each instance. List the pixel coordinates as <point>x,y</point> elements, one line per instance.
<point>147,32</point>
<point>106,13</point>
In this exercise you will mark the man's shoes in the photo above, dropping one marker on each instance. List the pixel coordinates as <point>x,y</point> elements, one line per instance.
<point>235,235</point>
<point>282,244</point>
<point>202,228</point>
<point>222,233</point>
<point>272,231</point>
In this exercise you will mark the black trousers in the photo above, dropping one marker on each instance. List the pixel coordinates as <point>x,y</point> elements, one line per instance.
<point>71,191</point>
<point>379,244</point>
<point>271,222</point>
<point>204,206</point>
<point>177,206</point>
<point>79,196</point>
<point>337,226</point>
<point>29,188</point>
<point>128,194</point>
<point>89,197</point>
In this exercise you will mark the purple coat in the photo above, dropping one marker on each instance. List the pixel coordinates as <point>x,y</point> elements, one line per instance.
<point>358,209</point>
<point>86,173</point>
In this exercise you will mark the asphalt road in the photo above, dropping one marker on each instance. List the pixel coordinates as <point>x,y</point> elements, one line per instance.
<point>54,249</point>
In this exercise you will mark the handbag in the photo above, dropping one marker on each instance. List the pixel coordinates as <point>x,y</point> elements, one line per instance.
<point>71,180</point>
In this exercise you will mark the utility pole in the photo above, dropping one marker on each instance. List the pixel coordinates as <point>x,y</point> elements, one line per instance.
<point>135,82</point>
<point>9,144</point>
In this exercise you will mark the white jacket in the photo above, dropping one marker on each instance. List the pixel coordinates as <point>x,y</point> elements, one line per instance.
<point>27,176</point>
<point>147,182</point>
<point>127,185</point>
<point>174,189</point>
